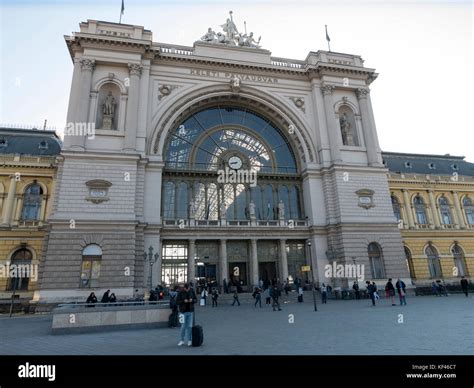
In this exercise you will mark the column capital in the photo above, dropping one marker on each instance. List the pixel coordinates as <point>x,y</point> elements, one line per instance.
<point>192,241</point>
<point>87,64</point>
<point>362,93</point>
<point>135,69</point>
<point>253,240</point>
<point>327,90</point>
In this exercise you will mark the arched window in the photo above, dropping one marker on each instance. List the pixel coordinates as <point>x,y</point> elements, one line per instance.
<point>32,203</point>
<point>90,269</point>
<point>459,260</point>
<point>20,268</point>
<point>376,261</point>
<point>168,200</point>
<point>409,259</point>
<point>420,210</point>
<point>445,211</point>
<point>396,208</point>
<point>433,261</point>
<point>468,210</point>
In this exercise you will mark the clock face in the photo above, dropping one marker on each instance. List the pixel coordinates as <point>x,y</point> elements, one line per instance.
<point>235,162</point>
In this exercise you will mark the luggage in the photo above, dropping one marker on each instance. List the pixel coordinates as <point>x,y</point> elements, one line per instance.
<point>300,298</point>
<point>173,320</point>
<point>198,335</point>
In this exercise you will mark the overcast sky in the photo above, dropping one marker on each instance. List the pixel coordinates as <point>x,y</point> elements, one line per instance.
<point>422,50</point>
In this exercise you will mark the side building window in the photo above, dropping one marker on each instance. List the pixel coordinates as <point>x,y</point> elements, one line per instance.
<point>32,203</point>
<point>420,210</point>
<point>409,259</point>
<point>396,208</point>
<point>445,211</point>
<point>90,269</point>
<point>20,264</point>
<point>376,261</point>
<point>468,210</point>
<point>434,263</point>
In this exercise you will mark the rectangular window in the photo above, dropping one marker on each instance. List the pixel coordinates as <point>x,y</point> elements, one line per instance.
<point>90,273</point>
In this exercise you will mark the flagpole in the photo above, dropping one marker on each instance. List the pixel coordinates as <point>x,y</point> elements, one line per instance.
<point>327,37</point>
<point>121,12</point>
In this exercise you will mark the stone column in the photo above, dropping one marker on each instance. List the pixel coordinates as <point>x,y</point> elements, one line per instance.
<point>44,204</point>
<point>408,209</point>
<point>283,260</point>
<point>457,207</point>
<point>81,118</point>
<point>191,261</point>
<point>10,201</point>
<point>368,130</point>
<point>223,267</point>
<point>332,124</point>
<point>253,262</point>
<point>434,210</point>
<point>131,122</point>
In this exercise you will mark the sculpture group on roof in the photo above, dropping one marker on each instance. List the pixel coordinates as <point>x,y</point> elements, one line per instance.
<point>231,36</point>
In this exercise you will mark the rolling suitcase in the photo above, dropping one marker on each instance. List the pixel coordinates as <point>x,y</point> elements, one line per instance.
<point>173,320</point>
<point>300,298</point>
<point>197,333</point>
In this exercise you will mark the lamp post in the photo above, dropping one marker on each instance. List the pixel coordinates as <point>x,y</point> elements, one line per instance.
<point>152,259</point>
<point>312,275</point>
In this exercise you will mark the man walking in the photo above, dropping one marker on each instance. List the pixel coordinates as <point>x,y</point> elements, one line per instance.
<point>390,291</point>
<point>185,300</point>
<point>236,297</point>
<point>215,295</point>
<point>324,293</point>
<point>355,287</point>
<point>465,286</point>
<point>400,285</point>
<point>371,291</point>
<point>258,296</point>
<point>275,294</point>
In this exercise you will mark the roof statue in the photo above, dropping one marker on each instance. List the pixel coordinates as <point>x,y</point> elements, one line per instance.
<point>231,35</point>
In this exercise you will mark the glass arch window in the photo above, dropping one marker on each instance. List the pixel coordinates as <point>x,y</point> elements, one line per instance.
<point>21,260</point>
<point>201,141</point>
<point>376,261</point>
<point>420,210</point>
<point>445,211</point>
<point>468,210</point>
<point>459,260</point>
<point>396,208</point>
<point>32,203</point>
<point>434,263</point>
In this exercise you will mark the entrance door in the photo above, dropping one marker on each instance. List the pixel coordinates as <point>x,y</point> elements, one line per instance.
<point>267,272</point>
<point>238,275</point>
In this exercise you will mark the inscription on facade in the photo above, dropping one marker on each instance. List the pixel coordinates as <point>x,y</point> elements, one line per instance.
<point>226,75</point>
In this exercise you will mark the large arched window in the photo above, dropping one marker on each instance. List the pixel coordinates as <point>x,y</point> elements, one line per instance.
<point>420,210</point>
<point>445,211</point>
<point>376,261</point>
<point>434,263</point>
<point>90,268</point>
<point>396,208</point>
<point>459,260</point>
<point>32,203</point>
<point>409,259</point>
<point>20,270</point>
<point>468,210</point>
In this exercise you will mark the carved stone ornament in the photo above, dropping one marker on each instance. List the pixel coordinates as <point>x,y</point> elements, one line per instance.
<point>362,92</point>
<point>366,199</point>
<point>165,90</point>
<point>87,64</point>
<point>235,84</point>
<point>299,103</point>
<point>327,89</point>
<point>135,69</point>
<point>98,190</point>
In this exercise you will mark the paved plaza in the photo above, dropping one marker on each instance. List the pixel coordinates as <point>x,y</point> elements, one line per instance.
<point>431,325</point>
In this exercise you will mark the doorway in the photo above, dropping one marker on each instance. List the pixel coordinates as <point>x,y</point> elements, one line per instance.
<point>267,272</point>
<point>238,275</point>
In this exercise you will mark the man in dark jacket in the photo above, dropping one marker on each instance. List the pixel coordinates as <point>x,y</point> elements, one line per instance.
<point>371,290</point>
<point>275,294</point>
<point>400,285</point>
<point>465,286</point>
<point>185,300</point>
<point>105,297</point>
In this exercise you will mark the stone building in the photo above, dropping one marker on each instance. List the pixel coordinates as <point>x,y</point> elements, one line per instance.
<point>433,200</point>
<point>214,161</point>
<point>28,160</point>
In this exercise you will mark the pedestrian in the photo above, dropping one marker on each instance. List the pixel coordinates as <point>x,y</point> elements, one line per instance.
<point>215,295</point>
<point>355,287</point>
<point>376,294</point>
<point>400,285</point>
<point>300,294</point>
<point>204,294</point>
<point>225,286</point>
<point>112,298</point>
<point>266,295</point>
<point>105,297</point>
<point>465,286</point>
<point>371,292</point>
<point>236,297</point>
<point>185,300</point>
<point>329,291</point>
<point>275,294</point>
<point>434,288</point>
<point>390,291</point>
<point>258,296</point>
<point>260,284</point>
<point>324,293</point>
<point>91,299</point>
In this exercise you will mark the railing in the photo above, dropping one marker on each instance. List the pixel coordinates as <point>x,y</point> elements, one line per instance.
<point>283,63</point>
<point>173,50</point>
<point>111,304</point>
<point>181,223</point>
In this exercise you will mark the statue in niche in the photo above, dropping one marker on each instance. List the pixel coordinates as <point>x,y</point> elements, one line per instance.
<point>223,210</point>
<point>346,130</point>
<point>252,209</point>
<point>109,105</point>
<point>281,210</point>
<point>192,210</point>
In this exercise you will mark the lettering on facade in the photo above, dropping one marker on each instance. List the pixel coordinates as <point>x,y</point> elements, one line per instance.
<point>226,75</point>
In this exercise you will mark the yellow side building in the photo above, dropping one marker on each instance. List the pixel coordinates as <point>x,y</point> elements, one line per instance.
<point>433,200</point>
<point>27,175</point>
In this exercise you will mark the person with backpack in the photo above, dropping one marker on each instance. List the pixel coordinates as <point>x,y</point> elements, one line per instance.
<point>185,300</point>
<point>400,285</point>
<point>390,291</point>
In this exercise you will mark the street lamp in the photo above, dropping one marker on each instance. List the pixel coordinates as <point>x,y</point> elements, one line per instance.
<point>312,276</point>
<point>152,259</point>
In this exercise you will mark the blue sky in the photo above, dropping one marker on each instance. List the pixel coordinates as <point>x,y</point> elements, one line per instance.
<point>422,50</point>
